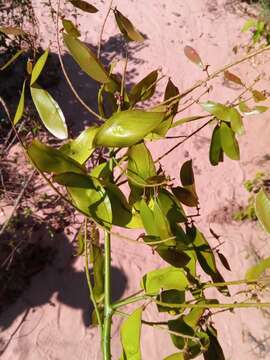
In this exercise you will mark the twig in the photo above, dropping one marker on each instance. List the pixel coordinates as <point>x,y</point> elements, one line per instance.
<point>17,202</point>
<point>102,29</point>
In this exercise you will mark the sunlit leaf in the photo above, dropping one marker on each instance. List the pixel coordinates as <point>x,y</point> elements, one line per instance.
<point>81,148</point>
<point>127,28</point>
<point>83,5</point>
<point>220,111</point>
<point>215,150</point>
<point>257,270</point>
<point>144,89</point>
<point>140,165</point>
<point>262,209</point>
<point>258,96</point>
<point>229,143</point>
<point>51,160</point>
<point>39,67</point>
<point>20,108</point>
<point>29,67</point>
<point>86,59</point>
<point>10,61</point>
<point>175,356</point>
<point>193,56</point>
<point>92,199</point>
<point>130,333</point>
<point>233,78</point>
<point>9,30</point>
<point>249,24</point>
<point>186,119</point>
<point>49,112</point>
<point>171,208</point>
<point>169,278</point>
<point>236,121</point>
<point>246,110</point>
<point>70,28</point>
<point>127,128</point>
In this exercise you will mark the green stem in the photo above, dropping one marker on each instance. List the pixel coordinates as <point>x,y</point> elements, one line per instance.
<point>108,311</point>
<point>88,278</point>
<point>210,306</point>
<point>129,300</point>
<point>236,282</point>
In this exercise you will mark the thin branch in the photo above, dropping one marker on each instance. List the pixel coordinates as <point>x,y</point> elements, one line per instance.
<point>88,279</point>
<point>102,28</point>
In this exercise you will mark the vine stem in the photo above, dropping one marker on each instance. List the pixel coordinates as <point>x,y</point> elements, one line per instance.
<point>88,279</point>
<point>102,28</point>
<point>108,311</point>
<point>213,306</point>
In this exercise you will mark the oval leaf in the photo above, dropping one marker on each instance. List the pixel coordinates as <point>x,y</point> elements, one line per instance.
<point>233,78</point>
<point>81,148</point>
<point>49,112</point>
<point>258,96</point>
<point>256,271</point>
<point>215,150</point>
<point>127,28</point>
<point>262,209</point>
<point>84,6</point>
<point>169,278</point>
<point>229,143</point>
<point>144,89</point>
<point>20,108</point>
<point>39,67</point>
<point>127,128</point>
<point>51,160</point>
<point>86,59</point>
<point>130,333</point>
<point>236,121</point>
<point>193,56</point>
<point>70,28</point>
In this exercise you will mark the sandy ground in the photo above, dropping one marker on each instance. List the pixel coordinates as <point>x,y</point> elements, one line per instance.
<point>51,320</point>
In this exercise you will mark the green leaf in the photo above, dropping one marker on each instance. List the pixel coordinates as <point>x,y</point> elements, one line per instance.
<point>10,30</point>
<point>220,111</point>
<point>127,128</point>
<point>236,121</point>
<point>187,119</point>
<point>215,151</point>
<point>130,333</point>
<point>246,110</point>
<point>98,272</point>
<point>214,351</point>
<point>256,271</point>
<point>229,143</point>
<point>10,61</point>
<point>81,148</point>
<point>80,241</point>
<point>249,24</point>
<point>49,112</point>
<point>179,326</point>
<point>144,89</point>
<point>86,59</point>
<point>262,209</point>
<point>70,28</point>
<point>84,6</point>
<point>176,356</point>
<point>171,207</point>
<point>233,78</point>
<point>140,165</point>
<point>173,256</point>
<point>147,217</point>
<point>193,56</point>
<point>185,196</point>
<point>89,196</point>
<point>39,67</point>
<point>171,297</point>
<point>169,278</point>
<point>127,28</point>
<point>20,108</point>
<point>51,160</point>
